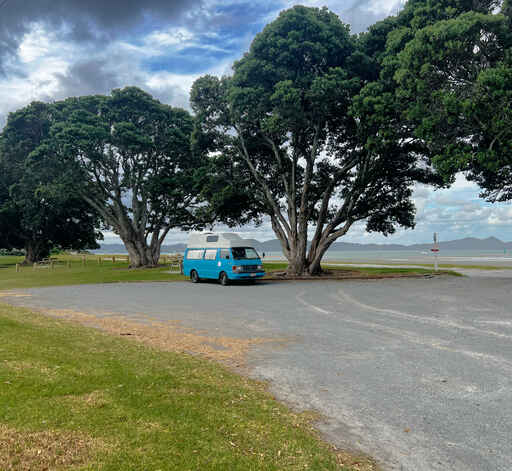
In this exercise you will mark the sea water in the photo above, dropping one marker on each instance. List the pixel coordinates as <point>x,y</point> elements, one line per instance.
<point>463,257</point>
<point>398,257</point>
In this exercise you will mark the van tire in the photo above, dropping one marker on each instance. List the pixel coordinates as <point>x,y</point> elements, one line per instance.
<point>223,279</point>
<point>194,277</point>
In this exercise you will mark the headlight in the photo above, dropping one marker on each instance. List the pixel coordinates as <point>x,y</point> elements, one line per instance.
<point>260,267</point>
<point>237,268</point>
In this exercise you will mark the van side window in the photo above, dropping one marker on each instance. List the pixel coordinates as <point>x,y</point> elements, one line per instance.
<point>224,254</point>
<point>195,254</point>
<point>210,254</point>
<point>212,238</point>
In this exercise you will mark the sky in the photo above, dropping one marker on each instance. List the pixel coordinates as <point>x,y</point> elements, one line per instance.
<point>53,49</point>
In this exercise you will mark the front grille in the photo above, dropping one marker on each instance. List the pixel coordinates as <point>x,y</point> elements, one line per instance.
<point>249,268</point>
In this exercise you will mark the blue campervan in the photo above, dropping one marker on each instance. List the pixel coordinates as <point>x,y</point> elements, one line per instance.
<point>221,256</point>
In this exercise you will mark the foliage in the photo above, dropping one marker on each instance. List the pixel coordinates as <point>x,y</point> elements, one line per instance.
<point>455,87</point>
<point>11,252</point>
<point>38,205</point>
<point>132,155</point>
<point>305,125</point>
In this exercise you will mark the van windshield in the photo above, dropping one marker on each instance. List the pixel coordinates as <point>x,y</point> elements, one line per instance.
<point>244,253</point>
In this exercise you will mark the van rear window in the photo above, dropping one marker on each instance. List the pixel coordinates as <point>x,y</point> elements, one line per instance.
<point>212,238</point>
<point>195,254</point>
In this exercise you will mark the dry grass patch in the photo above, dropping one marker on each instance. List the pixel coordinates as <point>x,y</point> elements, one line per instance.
<point>355,462</point>
<point>13,294</point>
<point>169,336</point>
<point>20,366</point>
<point>93,399</point>
<point>45,450</point>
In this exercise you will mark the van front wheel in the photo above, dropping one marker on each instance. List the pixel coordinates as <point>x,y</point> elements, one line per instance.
<point>194,277</point>
<point>223,278</point>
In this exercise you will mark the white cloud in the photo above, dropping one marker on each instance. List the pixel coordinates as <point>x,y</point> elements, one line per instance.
<point>501,216</point>
<point>35,44</point>
<point>384,6</point>
<point>461,183</point>
<point>34,76</point>
<point>171,37</point>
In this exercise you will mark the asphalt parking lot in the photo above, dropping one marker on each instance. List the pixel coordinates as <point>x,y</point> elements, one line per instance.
<point>415,372</point>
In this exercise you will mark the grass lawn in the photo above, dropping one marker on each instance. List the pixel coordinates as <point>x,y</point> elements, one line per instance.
<point>109,272</point>
<point>77,398</point>
<point>430,265</point>
<point>91,272</point>
<point>280,266</point>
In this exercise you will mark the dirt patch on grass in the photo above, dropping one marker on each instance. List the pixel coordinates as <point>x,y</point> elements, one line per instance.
<point>20,366</point>
<point>96,399</point>
<point>280,275</point>
<point>169,336</point>
<point>359,463</point>
<point>13,294</point>
<point>42,451</point>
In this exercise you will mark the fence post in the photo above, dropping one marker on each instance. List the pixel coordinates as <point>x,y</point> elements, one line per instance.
<point>83,260</point>
<point>99,260</point>
<point>51,264</point>
<point>17,268</point>
<point>34,266</point>
<point>113,259</point>
<point>69,263</point>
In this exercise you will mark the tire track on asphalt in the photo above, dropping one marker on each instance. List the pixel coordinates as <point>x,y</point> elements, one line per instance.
<point>427,341</point>
<point>422,319</point>
<point>300,298</point>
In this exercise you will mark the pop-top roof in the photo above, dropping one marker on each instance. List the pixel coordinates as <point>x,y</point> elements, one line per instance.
<point>223,240</point>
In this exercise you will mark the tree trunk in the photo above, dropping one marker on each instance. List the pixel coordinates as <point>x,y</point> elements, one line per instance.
<point>297,260</point>
<point>317,251</point>
<point>296,264</point>
<point>141,255</point>
<point>315,259</point>
<point>35,251</point>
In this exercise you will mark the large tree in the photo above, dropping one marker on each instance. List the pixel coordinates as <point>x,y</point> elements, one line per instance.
<point>303,142</point>
<point>8,219</point>
<point>455,86</point>
<point>133,165</point>
<point>39,208</point>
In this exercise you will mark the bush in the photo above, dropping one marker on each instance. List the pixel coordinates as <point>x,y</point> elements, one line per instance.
<point>15,252</point>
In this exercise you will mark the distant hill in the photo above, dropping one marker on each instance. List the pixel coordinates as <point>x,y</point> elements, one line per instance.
<point>469,243</point>
<point>119,248</point>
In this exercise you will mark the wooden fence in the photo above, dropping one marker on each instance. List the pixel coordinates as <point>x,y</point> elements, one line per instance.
<point>175,261</point>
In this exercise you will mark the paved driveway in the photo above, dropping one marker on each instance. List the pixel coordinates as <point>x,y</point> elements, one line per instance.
<point>415,372</point>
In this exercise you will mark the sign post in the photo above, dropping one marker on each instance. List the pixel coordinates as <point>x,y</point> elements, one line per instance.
<point>435,250</point>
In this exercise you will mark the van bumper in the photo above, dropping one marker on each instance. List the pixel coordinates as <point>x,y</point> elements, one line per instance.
<point>247,276</point>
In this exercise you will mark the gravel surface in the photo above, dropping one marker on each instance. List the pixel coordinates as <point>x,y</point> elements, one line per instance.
<point>415,372</point>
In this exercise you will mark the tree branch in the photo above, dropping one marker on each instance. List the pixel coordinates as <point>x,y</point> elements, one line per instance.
<point>261,182</point>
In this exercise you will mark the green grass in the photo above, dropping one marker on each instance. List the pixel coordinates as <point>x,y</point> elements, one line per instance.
<point>430,265</point>
<point>109,272</point>
<point>390,271</point>
<point>92,272</point>
<point>280,266</point>
<point>112,404</point>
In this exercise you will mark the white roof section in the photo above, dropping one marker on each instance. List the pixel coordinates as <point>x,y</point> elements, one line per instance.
<point>214,240</point>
